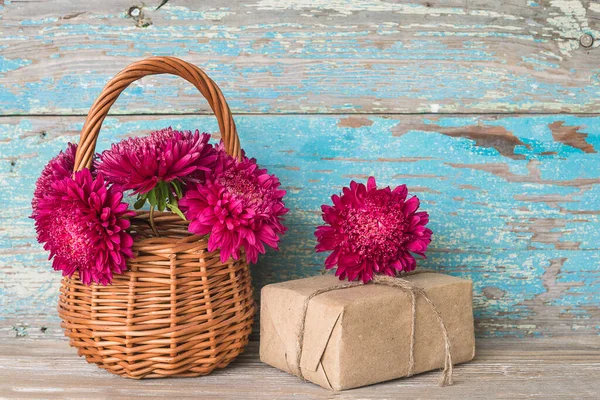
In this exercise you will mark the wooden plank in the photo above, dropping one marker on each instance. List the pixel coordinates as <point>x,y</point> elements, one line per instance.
<point>513,204</point>
<point>539,368</point>
<point>273,56</point>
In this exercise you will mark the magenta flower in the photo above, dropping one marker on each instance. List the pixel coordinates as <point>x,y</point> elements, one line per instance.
<point>58,168</point>
<point>372,230</point>
<point>140,163</point>
<point>239,205</point>
<point>83,224</point>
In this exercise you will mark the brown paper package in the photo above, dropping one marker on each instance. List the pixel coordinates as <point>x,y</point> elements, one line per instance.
<point>361,335</point>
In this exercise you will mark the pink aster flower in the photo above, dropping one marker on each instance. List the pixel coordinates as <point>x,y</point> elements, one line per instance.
<point>140,163</point>
<point>83,224</point>
<point>58,168</point>
<point>239,205</point>
<point>372,230</point>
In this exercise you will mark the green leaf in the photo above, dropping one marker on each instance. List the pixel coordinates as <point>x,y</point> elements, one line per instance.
<point>172,199</point>
<point>177,186</point>
<point>152,196</point>
<point>176,210</point>
<point>161,196</point>
<point>140,202</point>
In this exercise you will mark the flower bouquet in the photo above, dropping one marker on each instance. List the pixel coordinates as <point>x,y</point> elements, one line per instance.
<point>164,290</point>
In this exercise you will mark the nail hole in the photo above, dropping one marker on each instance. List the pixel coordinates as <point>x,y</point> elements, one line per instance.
<point>137,14</point>
<point>586,40</point>
<point>134,11</point>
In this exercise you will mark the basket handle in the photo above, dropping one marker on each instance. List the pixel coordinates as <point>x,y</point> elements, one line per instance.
<point>155,66</point>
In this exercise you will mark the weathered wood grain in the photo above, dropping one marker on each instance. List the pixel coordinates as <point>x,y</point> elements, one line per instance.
<point>505,369</point>
<point>514,205</point>
<point>316,56</point>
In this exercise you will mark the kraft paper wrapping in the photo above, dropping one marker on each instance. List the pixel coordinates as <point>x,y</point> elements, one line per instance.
<point>361,335</point>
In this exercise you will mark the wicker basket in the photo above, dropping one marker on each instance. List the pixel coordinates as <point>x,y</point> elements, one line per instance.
<point>177,311</point>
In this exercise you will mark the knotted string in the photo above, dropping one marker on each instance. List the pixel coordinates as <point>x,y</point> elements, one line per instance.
<point>446,378</point>
<point>403,284</point>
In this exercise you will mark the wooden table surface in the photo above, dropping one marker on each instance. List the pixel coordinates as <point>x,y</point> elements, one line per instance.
<point>503,368</point>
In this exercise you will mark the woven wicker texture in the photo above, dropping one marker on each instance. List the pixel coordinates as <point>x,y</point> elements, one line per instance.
<point>177,311</point>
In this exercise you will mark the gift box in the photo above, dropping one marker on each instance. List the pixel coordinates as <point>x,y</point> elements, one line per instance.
<point>343,335</point>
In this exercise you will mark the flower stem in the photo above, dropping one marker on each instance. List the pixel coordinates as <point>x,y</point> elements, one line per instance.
<point>152,221</point>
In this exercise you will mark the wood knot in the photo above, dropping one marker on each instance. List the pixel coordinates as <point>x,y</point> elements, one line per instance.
<point>137,14</point>
<point>586,40</point>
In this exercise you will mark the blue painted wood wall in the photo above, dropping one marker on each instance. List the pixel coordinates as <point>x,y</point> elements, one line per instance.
<point>488,112</point>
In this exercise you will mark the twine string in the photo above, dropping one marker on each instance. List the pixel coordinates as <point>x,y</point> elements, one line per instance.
<point>400,283</point>
<point>303,319</point>
<point>411,354</point>
<point>446,378</point>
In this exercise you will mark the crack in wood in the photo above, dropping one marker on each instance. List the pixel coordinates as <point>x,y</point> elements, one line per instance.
<point>73,15</point>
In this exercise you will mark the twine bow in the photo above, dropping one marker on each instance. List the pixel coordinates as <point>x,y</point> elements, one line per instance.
<point>406,285</point>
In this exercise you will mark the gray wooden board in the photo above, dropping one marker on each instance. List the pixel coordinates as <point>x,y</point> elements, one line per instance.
<point>271,56</point>
<point>506,369</point>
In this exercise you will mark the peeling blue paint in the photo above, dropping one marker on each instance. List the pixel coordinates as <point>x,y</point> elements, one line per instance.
<point>485,233</point>
<point>11,65</point>
<point>36,22</point>
<point>539,65</point>
<point>325,65</point>
<point>500,219</point>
